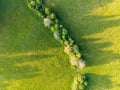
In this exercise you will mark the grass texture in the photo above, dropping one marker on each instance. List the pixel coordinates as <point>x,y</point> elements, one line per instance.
<point>30,58</point>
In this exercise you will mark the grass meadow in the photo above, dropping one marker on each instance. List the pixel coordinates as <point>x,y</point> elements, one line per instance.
<point>30,58</point>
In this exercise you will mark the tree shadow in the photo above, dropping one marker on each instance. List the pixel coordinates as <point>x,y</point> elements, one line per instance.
<point>17,68</point>
<point>94,53</point>
<point>81,25</point>
<point>19,39</point>
<point>74,8</point>
<point>23,28</point>
<point>99,82</point>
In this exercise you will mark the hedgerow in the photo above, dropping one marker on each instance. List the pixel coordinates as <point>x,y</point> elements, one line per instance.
<point>61,34</point>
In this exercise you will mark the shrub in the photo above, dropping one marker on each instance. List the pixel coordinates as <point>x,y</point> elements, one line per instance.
<point>39,14</point>
<point>47,11</point>
<point>64,32</point>
<point>75,49</point>
<point>70,41</point>
<point>39,2</point>
<point>74,60</point>
<point>56,35</point>
<point>55,27</point>
<point>66,43</point>
<point>52,22</point>
<point>52,16</point>
<point>47,22</point>
<point>31,4</point>
<point>80,82</point>
<point>67,49</point>
<point>41,10</point>
<point>75,84</point>
<point>78,55</point>
<point>61,26</point>
<point>52,29</point>
<point>64,37</point>
<point>81,64</point>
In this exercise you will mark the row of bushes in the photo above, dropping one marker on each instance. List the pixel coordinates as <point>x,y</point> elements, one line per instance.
<point>59,32</point>
<point>80,82</point>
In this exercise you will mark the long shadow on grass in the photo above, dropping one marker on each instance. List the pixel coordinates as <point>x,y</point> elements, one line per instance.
<point>21,34</point>
<point>92,48</point>
<point>19,67</point>
<point>102,82</point>
<point>22,30</point>
<point>81,25</point>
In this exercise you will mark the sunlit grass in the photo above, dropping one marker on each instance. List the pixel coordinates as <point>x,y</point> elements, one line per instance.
<point>30,59</point>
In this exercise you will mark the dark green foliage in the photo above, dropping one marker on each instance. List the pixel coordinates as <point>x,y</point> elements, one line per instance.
<point>56,20</point>
<point>34,4</point>
<point>76,51</point>
<point>31,4</point>
<point>39,13</point>
<point>71,42</point>
<point>39,2</point>
<point>54,27</point>
<point>64,32</point>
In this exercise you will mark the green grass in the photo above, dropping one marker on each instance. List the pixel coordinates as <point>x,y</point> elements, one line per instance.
<point>30,59</point>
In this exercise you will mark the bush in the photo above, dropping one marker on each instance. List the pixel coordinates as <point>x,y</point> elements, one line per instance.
<point>75,84</point>
<point>47,11</point>
<point>64,32</point>
<point>55,27</point>
<point>67,43</point>
<point>80,82</point>
<point>81,64</point>
<point>61,26</point>
<point>47,22</point>
<point>31,4</point>
<point>56,35</point>
<point>75,49</point>
<point>39,13</point>
<point>39,2</point>
<point>70,41</point>
<point>41,10</point>
<point>67,49</point>
<point>52,16</point>
<point>56,21</point>
<point>74,60</point>
<point>63,37</point>
<point>52,29</point>
<point>52,22</point>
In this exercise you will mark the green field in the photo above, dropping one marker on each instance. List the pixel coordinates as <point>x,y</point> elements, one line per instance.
<point>30,58</point>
